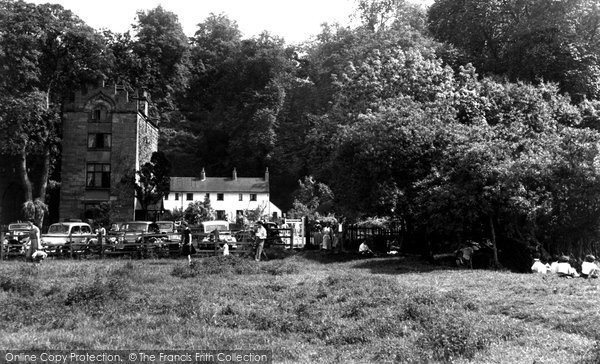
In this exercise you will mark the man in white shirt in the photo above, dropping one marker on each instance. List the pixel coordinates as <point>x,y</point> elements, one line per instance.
<point>564,269</point>
<point>538,267</point>
<point>261,235</point>
<point>589,268</point>
<point>364,250</point>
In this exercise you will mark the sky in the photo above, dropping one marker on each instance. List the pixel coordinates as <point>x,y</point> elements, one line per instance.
<point>295,21</point>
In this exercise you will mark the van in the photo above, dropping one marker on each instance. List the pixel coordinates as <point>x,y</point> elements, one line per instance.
<point>208,227</point>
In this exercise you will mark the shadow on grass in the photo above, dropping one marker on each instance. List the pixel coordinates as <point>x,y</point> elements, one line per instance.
<point>378,265</point>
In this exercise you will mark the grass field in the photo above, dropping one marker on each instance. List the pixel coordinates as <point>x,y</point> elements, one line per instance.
<point>306,308</point>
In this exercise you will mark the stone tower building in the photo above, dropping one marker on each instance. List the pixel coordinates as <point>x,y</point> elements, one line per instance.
<point>106,134</point>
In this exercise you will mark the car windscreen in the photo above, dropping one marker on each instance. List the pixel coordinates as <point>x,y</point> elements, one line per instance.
<point>165,225</point>
<point>212,227</point>
<point>18,227</point>
<point>58,229</point>
<point>134,227</point>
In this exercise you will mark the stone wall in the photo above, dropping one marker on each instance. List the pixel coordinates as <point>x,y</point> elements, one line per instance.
<point>134,138</point>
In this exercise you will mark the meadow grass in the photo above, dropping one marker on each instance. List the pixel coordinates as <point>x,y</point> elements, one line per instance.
<point>306,308</point>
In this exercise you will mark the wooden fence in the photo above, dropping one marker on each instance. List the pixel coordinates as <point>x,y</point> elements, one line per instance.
<point>142,245</point>
<point>378,239</point>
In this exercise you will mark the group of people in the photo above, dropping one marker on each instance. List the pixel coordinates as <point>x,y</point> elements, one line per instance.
<point>187,248</point>
<point>325,237</point>
<point>563,268</point>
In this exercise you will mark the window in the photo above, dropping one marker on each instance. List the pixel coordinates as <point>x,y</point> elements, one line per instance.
<point>239,213</point>
<point>207,196</point>
<point>220,214</point>
<point>176,196</point>
<point>99,141</point>
<point>166,196</point>
<point>99,114</point>
<point>241,197</point>
<point>189,196</point>
<point>219,197</point>
<point>253,197</point>
<point>98,175</point>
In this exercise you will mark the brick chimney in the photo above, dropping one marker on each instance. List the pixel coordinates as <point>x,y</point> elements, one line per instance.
<point>267,174</point>
<point>234,176</point>
<point>203,175</point>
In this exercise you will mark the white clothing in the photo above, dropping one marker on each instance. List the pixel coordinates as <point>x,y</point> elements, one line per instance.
<point>554,267</point>
<point>588,268</point>
<point>566,269</point>
<point>261,232</point>
<point>538,267</point>
<point>226,249</point>
<point>363,248</point>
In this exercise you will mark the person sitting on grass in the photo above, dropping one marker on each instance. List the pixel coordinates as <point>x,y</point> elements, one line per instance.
<point>538,266</point>
<point>554,264</point>
<point>564,269</point>
<point>225,249</point>
<point>589,268</point>
<point>364,250</point>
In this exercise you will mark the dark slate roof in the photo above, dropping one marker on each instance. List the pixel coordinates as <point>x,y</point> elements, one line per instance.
<point>219,184</point>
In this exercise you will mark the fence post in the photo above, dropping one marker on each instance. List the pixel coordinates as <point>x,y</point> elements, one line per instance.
<point>71,246</point>
<point>292,239</point>
<point>101,243</point>
<point>2,244</point>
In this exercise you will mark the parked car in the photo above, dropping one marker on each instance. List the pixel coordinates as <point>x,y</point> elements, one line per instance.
<point>272,233</point>
<point>131,231</point>
<point>63,234</point>
<point>166,226</point>
<point>16,238</point>
<point>206,234</point>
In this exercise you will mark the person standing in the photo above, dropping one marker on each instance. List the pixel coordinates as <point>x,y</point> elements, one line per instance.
<point>35,252</point>
<point>326,242</point>
<point>187,248</point>
<point>261,235</point>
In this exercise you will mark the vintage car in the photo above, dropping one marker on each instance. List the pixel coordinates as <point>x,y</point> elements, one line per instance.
<point>137,238</point>
<point>166,226</point>
<point>16,238</point>
<point>207,234</point>
<point>63,236</point>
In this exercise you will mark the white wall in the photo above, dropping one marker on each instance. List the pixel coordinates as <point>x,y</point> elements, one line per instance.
<point>230,203</point>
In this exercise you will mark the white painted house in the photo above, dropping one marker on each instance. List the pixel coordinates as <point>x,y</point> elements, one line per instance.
<point>229,196</point>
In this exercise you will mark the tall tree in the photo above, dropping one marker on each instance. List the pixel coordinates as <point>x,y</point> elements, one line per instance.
<point>526,40</point>
<point>46,52</point>
<point>163,52</point>
<point>152,181</point>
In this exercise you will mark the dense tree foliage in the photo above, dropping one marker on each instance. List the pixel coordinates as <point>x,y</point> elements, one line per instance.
<point>469,120</point>
<point>45,53</point>
<point>526,40</point>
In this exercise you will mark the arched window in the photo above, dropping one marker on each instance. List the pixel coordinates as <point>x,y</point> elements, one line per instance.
<point>99,114</point>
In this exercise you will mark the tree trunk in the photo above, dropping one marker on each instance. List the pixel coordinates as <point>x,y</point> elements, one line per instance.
<point>44,176</point>
<point>43,186</point>
<point>24,176</point>
<point>494,246</point>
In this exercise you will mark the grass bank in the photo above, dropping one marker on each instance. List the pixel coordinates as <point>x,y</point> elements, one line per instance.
<point>306,308</point>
